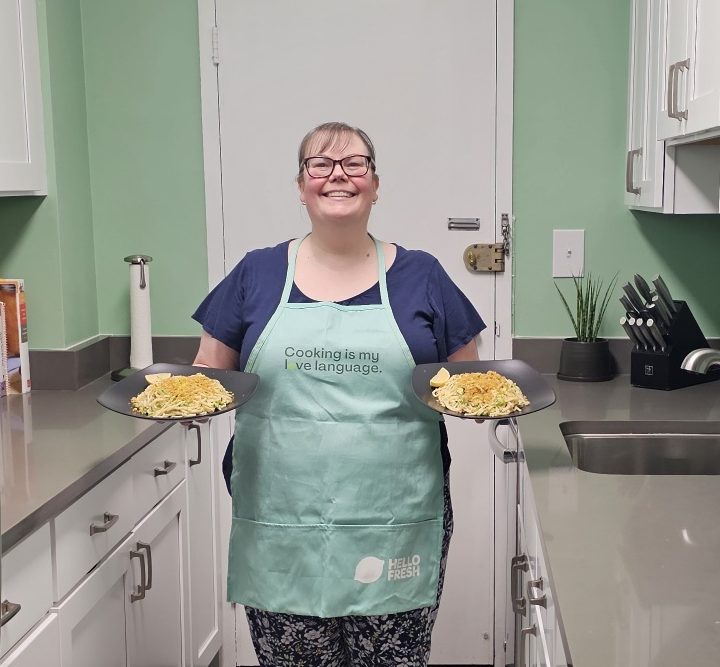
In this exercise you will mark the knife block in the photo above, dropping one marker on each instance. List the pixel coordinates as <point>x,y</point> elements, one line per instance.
<point>661,370</point>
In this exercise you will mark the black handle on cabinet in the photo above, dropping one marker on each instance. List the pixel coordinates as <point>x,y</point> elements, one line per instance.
<point>194,462</point>
<point>139,594</point>
<point>109,521</point>
<point>167,467</point>
<point>146,547</point>
<point>8,610</point>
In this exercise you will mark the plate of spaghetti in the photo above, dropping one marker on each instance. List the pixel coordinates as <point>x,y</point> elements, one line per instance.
<point>174,392</point>
<point>482,389</point>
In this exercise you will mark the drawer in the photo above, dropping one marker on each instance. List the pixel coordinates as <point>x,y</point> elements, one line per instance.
<point>26,581</point>
<point>87,530</point>
<point>158,468</point>
<point>40,647</point>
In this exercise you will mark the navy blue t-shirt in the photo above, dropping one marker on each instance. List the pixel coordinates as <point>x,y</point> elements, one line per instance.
<point>434,316</point>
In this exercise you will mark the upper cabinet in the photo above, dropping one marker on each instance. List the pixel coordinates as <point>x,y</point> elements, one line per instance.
<point>644,157</point>
<point>690,104</point>
<point>672,160</point>
<point>22,143</point>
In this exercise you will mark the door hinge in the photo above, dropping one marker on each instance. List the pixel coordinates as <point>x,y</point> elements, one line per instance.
<point>215,47</point>
<point>497,330</point>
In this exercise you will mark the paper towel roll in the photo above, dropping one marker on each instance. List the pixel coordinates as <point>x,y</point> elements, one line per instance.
<point>140,326</point>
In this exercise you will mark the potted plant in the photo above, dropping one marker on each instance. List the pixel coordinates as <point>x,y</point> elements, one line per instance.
<point>586,358</point>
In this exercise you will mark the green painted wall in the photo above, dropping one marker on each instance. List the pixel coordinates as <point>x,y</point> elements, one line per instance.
<point>145,138</point>
<point>49,241</point>
<point>121,84</point>
<point>571,61</point>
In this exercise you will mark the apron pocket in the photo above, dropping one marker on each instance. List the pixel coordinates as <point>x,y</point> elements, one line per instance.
<point>331,570</point>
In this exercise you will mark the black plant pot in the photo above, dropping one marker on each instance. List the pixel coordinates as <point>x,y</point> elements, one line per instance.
<point>585,362</point>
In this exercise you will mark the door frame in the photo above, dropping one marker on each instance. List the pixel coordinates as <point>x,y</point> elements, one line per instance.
<point>210,53</point>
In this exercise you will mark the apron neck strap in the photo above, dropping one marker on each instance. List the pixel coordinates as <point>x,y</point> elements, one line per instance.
<point>292,260</point>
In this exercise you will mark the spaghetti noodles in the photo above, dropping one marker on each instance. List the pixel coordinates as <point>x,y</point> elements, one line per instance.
<point>481,395</point>
<point>182,396</point>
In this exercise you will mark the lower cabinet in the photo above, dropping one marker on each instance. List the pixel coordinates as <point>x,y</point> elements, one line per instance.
<point>40,647</point>
<point>129,610</point>
<point>204,563</point>
<point>539,640</point>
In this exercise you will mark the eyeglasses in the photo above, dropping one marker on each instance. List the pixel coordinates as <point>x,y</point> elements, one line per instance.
<point>320,166</point>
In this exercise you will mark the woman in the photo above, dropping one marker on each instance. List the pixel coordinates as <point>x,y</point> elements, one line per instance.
<point>341,510</point>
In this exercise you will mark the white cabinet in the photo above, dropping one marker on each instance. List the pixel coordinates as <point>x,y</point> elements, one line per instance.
<point>681,175</point>
<point>40,647</point>
<point>540,640</point>
<point>26,586</point>
<point>22,142</point>
<point>156,590</point>
<point>205,585</point>
<point>645,154</point>
<point>691,69</point>
<point>131,609</point>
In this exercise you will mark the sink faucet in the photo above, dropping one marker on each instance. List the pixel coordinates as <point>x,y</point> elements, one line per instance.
<point>701,360</point>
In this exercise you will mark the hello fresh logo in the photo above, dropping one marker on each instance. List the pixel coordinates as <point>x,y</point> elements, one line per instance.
<point>370,569</point>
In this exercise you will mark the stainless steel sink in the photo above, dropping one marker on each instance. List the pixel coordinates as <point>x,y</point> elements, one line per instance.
<point>644,447</point>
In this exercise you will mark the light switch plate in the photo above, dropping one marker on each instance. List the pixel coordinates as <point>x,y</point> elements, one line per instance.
<point>568,253</point>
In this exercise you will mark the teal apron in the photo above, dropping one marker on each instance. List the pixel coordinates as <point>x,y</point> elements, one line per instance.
<point>337,480</point>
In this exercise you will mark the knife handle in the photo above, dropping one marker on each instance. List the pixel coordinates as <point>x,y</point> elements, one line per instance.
<point>664,293</point>
<point>633,296</point>
<point>665,316</point>
<point>642,287</point>
<point>655,334</point>
<point>630,332</point>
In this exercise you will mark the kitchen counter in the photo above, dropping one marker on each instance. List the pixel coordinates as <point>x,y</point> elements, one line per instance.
<point>55,445</point>
<point>633,559</point>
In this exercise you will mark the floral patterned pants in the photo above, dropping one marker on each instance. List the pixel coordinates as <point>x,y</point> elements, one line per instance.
<point>289,640</point>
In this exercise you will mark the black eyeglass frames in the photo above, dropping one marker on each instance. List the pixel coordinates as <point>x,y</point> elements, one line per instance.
<point>319,166</point>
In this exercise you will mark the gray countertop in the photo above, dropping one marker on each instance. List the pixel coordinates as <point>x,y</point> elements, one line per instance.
<point>633,559</point>
<point>55,445</point>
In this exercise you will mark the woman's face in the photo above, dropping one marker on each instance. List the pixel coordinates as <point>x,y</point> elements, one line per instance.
<point>338,196</point>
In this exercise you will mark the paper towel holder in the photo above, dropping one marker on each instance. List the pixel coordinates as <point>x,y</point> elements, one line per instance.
<point>142,260</point>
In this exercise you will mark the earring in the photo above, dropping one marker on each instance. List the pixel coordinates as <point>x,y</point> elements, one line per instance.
<point>374,202</point>
<point>304,204</point>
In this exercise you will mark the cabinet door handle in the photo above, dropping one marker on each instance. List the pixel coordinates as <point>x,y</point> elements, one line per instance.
<point>630,171</point>
<point>670,83</point>
<point>194,462</point>
<point>682,65</point>
<point>519,564</point>
<point>540,600</point>
<point>166,467</point>
<point>524,632</point>
<point>139,593</point>
<point>146,547</point>
<point>8,610</point>
<point>109,521</point>
<point>536,583</point>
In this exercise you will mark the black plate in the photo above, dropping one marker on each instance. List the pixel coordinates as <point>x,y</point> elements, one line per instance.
<point>117,398</point>
<point>531,383</point>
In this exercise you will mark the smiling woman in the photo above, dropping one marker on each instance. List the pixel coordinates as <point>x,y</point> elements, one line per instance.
<point>334,324</point>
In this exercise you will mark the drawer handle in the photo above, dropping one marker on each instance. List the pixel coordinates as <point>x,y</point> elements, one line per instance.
<point>109,519</point>
<point>146,547</point>
<point>194,462</point>
<point>167,467</point>
<point>8,610</point>
<point>139,593</point>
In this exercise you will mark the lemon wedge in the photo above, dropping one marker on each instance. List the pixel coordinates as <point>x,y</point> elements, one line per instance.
<point>440,378</point>
<point>153,378</point>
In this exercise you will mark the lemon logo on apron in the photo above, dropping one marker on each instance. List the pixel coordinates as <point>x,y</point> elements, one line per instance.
<point>337,479</point>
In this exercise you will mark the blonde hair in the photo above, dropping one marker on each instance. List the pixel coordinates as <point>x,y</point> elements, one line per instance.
<point>335,135</point>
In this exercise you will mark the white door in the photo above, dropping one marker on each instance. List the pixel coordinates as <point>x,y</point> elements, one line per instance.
<point>420,76</point>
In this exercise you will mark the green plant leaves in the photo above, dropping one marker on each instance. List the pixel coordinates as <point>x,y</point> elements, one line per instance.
<point>591,302</point>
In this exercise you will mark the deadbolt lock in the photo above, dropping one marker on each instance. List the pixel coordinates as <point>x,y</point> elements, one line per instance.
<point>484,257</point>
